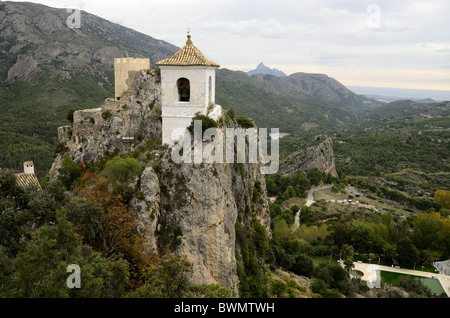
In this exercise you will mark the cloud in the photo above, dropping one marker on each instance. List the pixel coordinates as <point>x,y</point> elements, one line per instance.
<point>330,14</point>
<point>271,28</point>
<point>333,58</point>
<point>441,47</point>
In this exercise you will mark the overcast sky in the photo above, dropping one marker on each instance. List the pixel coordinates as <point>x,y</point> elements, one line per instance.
<point>391,43</point>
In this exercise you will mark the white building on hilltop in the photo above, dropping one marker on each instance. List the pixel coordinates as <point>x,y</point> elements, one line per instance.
<point>188,81</point>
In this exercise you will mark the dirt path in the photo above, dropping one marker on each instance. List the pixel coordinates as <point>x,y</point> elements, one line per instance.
<point>310,200</point>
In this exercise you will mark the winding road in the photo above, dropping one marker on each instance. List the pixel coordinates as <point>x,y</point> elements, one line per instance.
<point>310,200</point>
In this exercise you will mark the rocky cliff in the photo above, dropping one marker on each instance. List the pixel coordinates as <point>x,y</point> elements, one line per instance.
<point>319,154</point>
<point>190,210</point>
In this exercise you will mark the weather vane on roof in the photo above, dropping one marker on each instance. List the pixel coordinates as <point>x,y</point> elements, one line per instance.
<point>189,30</point>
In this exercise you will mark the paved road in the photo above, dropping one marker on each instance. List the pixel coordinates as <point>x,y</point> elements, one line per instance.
<point>310,200</point>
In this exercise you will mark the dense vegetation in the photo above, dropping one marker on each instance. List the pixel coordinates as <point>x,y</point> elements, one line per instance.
<point>43,232</point>
<point>381,148</point>
<point>329,232</point>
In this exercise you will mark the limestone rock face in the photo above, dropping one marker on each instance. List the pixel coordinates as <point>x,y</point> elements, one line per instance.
<point>146,205</point>
<point>23,68</point>
<point>205,201</point>
<point>319,155</point>
<point>199,202</point>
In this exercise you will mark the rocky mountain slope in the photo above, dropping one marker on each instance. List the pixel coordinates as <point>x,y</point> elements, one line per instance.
<point>318,155</point>
<point>37,38</point>
<point>271,107</point>
<point>311,88</point>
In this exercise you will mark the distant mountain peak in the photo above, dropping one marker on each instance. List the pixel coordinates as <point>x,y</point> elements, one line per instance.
<point>263,69</point>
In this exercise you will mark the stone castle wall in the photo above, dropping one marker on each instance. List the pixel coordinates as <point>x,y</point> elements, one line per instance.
<point>124,72</point>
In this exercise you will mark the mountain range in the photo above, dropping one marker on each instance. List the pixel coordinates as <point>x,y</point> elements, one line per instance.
<point>47,68</point>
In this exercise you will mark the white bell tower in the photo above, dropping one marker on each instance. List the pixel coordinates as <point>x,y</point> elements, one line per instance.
<point>188,81</point>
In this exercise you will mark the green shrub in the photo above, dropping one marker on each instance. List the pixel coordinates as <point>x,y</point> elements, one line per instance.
<point>245,122</point>
<point>69,171</point>
<point>279,288</point>
<point>230,113</point>
<point>303,266</point>
<point>318,286</point>
<point>106,115</point>
<point>120,172</point>
<point>207,122</point>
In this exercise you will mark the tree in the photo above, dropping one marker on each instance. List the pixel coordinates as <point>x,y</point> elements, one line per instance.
<point>390,252</point>
<point>41,269</point>
<point>9,189</point>
<point>318,287</point>
<point>315,176</point>
<point>428,231</point>
<point>347,253</point>
<point>369,237</point>
<point>341,233</point>
<point>443,197</point>
<point>334,276</point>
<point>305,215</point>
<point>289,193</point>
<point>408,254</point>
<point>303,266</point>
<point>118,233</point>
<point>87,219</point>
<point>6,269</point>
<point>69,171</point>
<point>120,172</point>
<point>363,237</point>
<point>69,116</point>
<point>415,286</point>
<point>167,279</point>
<point>387,220</point>
<point>281,230</point>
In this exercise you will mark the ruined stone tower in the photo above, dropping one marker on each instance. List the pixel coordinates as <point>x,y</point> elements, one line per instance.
<point>124,71</point>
